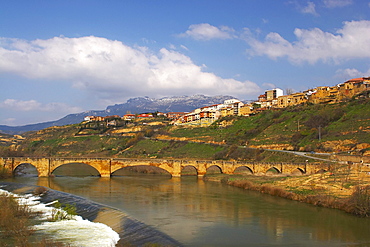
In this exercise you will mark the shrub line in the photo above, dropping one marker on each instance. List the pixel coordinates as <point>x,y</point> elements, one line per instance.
<point>357,204</point>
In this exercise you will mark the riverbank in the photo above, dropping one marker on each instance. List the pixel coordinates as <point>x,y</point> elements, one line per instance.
<point>21,231</point>
<point>199,213</point>
<point>347,190</point>
<point>91,224</point>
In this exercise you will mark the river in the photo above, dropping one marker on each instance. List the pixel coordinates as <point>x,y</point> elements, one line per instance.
<point>194,212</point>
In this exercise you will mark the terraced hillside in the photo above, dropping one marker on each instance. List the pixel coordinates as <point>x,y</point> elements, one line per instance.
<point>336,128</point>
<point>343,127</point>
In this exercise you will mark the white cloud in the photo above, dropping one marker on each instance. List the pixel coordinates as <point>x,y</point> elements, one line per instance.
<point>268,86</point>
<point>309,9</point>
<point>346,74</point>
<point>33,105</point>
<point>205,31</point>
<point>8,121</point>
<point>173,47</point>
<point>113,71</point>
<point>337,3</point>
<point>184,47</point>
<point>17,105</point>
<point>350,42</point>
<point>351,73</point>
<point>173,71</point>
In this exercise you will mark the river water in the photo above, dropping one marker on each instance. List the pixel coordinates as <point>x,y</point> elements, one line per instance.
<point>193,212</point>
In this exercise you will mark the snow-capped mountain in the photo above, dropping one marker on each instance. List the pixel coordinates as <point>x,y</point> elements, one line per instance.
<point>133,105</point>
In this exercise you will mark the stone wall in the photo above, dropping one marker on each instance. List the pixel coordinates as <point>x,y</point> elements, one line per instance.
<point>352,158</point>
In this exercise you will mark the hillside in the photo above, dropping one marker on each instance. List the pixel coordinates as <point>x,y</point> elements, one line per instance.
<point>342,127</point>
<point>336,128</point>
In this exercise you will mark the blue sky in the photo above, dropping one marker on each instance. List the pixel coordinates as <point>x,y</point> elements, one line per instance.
<point>61,57</point>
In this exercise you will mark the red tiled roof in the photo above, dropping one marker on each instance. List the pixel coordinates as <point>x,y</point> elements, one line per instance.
<point>356,79</point>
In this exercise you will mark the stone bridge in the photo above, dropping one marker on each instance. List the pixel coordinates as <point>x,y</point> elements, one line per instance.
<point>107,166</point>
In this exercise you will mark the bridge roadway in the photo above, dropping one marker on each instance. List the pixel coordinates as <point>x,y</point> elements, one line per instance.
<point>107,166</point>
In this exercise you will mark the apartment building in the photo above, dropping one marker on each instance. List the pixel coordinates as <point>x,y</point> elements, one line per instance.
<point>273,94</point>
<point>209,114</point>
<point>274,98</point>
<point>291,99</point>
<point>352,87</point>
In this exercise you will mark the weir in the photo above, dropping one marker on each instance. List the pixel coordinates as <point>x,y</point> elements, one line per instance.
<point>107,166</point>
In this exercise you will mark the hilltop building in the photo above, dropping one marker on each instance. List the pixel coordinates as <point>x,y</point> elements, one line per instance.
<point>292,99</point>
<point>205,116</point>
<point>269,98</point>
<point>325,94</point>
<point>273,98</point>
<point>273,94</point>
<point>175,115</point>
<point>129,117</point>
<point>353,87</point>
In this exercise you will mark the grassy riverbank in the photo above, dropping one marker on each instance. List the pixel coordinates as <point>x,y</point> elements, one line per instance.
<point>16,223</point>
<point>344,191</point>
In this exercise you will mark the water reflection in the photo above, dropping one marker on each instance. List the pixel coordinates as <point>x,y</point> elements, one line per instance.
<point>199,213</point>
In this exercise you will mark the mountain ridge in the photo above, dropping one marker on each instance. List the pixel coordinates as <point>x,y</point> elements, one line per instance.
<point>133,105</point>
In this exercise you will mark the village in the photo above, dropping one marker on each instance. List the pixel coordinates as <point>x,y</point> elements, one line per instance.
<point>271,99</point>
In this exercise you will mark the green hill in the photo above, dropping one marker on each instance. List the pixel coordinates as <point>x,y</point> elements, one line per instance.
<point>343,127</point>
<point>337,128</point>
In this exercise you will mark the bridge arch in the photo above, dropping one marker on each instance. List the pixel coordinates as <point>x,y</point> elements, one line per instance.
<point>56,164</point>
<point>118,164</point>
<point>272,171</point>
<point>213,169</point>
<point>243,170</point>
<point>25,169</point>
<point>75,169</point>
<point>298,171</point>
<point>142,169</point>
<point>189,170</point>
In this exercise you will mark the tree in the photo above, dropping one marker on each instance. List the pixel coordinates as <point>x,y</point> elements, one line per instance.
<point>289,91</point>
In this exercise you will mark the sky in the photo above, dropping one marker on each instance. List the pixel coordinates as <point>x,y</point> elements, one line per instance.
<point>68,56</point>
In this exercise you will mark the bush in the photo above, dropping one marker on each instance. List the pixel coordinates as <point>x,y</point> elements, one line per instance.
<point>5,173</point>
<point>63,212</point>
<point>297,137</point>
<point>321,200</point>
<point>14,221</point>
<point>10,152</point>
<point>149,133</point>
<point>324,117</point>
<point>40,191</point>
<point>221,155</point>
<point>359,202</point>
<point>138,137</point>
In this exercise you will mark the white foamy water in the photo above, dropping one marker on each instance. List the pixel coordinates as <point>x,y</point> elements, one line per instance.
<point>75,231</point>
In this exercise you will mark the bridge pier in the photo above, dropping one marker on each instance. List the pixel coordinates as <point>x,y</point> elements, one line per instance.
<point>105,175</point>
<point>44,167</point>
<point>176,168</point>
